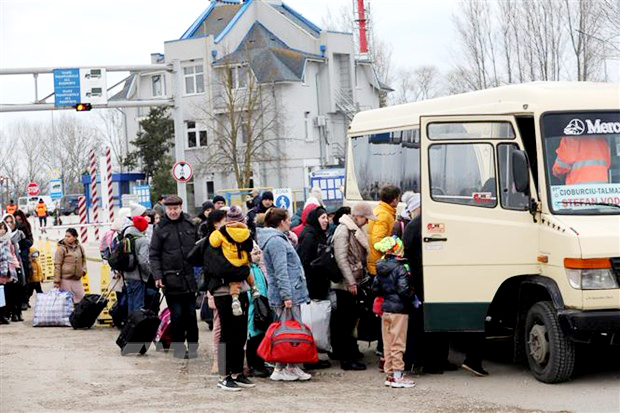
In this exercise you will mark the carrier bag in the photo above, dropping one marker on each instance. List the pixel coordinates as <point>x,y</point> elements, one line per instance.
<point>53,309</point>
<point>163,337</point>
<point>288,341</point>
<point>87,310</point>
<point>317,316</point>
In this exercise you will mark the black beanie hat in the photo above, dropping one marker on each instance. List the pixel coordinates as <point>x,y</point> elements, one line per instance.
<point>218,198</point>
<point>267,195</point>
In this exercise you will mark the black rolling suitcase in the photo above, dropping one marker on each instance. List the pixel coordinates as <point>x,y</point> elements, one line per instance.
<point>88,309</point>
<point>138,332</point>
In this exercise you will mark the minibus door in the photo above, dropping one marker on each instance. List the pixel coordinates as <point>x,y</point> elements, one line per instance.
<point>472,239</point>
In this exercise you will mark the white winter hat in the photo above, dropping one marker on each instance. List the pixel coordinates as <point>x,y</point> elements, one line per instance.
<point>136,209</point>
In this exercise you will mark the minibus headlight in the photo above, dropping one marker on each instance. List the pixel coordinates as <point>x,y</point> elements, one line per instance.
<point>590,274</point>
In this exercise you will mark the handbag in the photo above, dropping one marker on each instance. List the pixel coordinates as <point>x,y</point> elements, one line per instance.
<point>288,341</point>
<point>325,262</point>
<point>195,256</point>
<point>262,313</point>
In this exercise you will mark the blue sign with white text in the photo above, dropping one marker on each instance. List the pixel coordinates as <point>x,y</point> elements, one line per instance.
<point>66,87</point>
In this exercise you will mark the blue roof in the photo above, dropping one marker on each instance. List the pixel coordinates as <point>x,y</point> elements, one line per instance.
<point>298,19</point>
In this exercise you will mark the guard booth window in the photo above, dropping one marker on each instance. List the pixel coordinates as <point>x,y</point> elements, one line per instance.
<point>463,174</point>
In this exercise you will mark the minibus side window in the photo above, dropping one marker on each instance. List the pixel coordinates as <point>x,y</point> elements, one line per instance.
<point>509,197</point>
<point>463,174</point>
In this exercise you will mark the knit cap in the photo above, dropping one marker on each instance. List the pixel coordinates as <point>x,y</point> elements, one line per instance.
<point>390,245</point>
<point>235,214</point>
<point>267,195</point>
<point>140,223</point>
<point>136,209</point>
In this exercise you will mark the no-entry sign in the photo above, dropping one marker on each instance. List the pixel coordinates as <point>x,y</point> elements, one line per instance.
<point>32,189</point>
<point>182,171</point>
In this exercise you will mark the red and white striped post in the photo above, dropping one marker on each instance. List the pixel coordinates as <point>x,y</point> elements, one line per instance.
<point>108,164</point>
<point>82,211</point>
<point>93,189</point>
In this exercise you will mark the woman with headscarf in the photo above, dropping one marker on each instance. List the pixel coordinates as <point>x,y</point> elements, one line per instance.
<point>314,234</point>
<point>412,202</point>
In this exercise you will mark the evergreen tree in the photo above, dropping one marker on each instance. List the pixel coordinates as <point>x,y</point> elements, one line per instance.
<point>153,144</point>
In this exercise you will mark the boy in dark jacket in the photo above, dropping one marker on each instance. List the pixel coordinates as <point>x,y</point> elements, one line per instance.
<point>393,283</point>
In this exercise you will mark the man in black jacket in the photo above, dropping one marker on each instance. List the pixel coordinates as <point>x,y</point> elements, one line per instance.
<point>173,238</point>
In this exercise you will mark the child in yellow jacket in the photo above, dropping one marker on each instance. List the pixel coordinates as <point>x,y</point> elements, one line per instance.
<point>234,238</point>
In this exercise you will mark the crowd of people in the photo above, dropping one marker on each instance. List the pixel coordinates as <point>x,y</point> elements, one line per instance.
<point>262,253</point>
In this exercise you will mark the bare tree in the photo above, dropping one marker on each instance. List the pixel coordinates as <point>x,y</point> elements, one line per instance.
<point>412,85</point>
<point>70,141</point>
<point>585,19</point>
<point>111,127</point>
<point>242,124</point>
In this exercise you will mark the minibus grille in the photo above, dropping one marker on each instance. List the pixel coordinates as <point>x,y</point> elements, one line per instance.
<point>615,264</point>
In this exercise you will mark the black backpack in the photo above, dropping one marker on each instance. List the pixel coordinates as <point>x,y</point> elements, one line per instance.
<point>123,253</point>
<point>325,262</point>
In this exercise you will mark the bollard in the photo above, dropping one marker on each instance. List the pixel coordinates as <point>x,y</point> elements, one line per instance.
<point>82,210</point>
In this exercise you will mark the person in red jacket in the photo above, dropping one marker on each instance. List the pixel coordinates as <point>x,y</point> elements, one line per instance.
<point>583,160</point>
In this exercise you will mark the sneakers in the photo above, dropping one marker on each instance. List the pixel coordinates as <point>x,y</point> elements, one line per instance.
<point>475,368</point>
<point>236,307</point>
<point>302,375</point>
<point>242,381</point>
<point>388,381</point>
<point>283,375</point>
<point>402,383</point>
<point>228,384</point>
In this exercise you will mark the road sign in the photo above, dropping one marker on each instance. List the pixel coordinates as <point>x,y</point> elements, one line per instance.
<point>144,194</point>
<point>182,171</point>
<point>56,191</point>
<point>73,86</point>
<point>66,87</point>
<point>283,198</point>
<point>32,189</point>
<point>93,87</point>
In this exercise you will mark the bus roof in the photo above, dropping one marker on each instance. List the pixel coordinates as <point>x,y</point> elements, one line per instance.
<point>526,98</point>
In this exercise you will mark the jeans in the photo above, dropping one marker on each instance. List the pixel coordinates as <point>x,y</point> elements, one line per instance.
<point>183,321</point>
<point>136,291</point>
<point>234,332</point>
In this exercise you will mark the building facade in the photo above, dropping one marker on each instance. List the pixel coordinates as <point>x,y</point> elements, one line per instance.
<point>257,74</point>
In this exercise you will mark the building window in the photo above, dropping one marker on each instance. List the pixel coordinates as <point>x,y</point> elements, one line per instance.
<point>158,85</point>
<point>236,77</point>
<point>210,189</point>
<point>194,79</point>
<point>196,135</point>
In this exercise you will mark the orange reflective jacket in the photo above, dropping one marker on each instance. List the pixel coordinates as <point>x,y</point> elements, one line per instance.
<point>583,160</point>
<point>41,210</point>
<point>11,209</point>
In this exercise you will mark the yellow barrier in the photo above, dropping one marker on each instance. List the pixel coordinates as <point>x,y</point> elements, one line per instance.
<point>105,318</point>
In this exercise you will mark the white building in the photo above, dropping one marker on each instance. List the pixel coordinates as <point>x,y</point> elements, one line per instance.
<point>313,79</point>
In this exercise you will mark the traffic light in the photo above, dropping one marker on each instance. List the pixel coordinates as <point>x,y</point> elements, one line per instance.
<point>83,107</point>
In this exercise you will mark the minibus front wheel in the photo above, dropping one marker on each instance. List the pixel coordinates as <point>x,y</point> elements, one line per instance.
<point>550,353</point>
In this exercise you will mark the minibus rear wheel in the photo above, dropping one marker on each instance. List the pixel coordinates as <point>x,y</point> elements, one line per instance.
<point>550,354</point>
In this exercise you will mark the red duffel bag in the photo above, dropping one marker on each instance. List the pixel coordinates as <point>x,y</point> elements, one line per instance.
<point>288,341</point>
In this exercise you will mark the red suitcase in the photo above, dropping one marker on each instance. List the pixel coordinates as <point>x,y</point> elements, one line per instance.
<point>288,341</point>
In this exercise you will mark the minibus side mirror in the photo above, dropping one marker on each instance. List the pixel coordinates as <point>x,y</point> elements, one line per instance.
<point>520,172</point>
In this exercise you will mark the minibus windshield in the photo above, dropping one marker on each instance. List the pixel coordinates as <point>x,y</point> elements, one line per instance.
<point>582,161</point>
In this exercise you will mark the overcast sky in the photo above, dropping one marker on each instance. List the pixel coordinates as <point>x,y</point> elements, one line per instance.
<point>37,33</point>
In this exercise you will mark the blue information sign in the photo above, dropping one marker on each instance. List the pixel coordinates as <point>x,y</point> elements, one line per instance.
<point>66,87</point>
